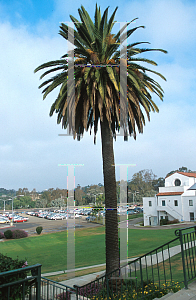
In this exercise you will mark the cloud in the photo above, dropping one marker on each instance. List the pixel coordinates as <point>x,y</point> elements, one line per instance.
<point>168,142</point>
<point>167,22</point>
<point>30,148</point>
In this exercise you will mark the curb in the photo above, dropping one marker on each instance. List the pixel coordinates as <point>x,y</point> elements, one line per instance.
<point>7,227</point>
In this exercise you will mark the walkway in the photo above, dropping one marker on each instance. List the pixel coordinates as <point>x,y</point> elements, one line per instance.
<point>189,294</point>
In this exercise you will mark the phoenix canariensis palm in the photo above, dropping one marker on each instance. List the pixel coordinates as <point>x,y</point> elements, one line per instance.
<point>96,91</point>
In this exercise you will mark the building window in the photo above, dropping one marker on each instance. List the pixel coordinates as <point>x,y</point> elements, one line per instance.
<point>150,203</point>
<point>163,202</point>
<point>161,217</point>
<point>190,202</point>
<point>175,202</point>
<point>177,182</point>
<point>191,216</point>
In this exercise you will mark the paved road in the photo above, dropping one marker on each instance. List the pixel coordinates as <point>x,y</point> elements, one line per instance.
<point>132,224</point>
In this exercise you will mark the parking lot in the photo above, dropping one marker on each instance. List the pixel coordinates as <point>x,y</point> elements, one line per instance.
<point>48,225</point>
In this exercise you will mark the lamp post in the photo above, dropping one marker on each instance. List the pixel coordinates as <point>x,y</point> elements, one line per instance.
<point>4,204</point>
<point>97,195</point>
<point>11,223</point>
<point>8,200</point>
<point>95,202</point>
<point>3,196</point>
<point>134,194</point>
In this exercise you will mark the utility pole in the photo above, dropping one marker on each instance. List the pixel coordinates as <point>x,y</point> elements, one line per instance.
<point>134,194</point>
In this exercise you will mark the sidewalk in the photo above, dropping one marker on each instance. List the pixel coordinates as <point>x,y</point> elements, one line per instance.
<point>77,269</point>
<point>83,279</point>
<point>189,294</point>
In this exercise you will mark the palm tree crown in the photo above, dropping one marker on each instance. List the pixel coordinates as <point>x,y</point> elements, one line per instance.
<point>96,86</point>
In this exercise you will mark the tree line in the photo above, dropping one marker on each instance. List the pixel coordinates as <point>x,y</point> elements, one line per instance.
<point>143,184</point>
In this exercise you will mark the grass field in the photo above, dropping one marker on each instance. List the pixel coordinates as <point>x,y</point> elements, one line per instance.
<point>135,216</point>
<point>50,249</point>
<point>100,219</point>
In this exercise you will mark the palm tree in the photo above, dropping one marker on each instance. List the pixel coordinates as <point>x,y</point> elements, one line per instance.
<point>97,97</point>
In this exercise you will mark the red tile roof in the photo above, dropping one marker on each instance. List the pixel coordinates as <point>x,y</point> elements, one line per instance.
<point>170,193</point>
<point>189,174</point>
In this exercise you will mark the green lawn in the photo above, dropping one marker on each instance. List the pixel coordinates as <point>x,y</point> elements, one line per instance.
<point>124,217</point>
<point>51,249</point>
<point>135,216</point>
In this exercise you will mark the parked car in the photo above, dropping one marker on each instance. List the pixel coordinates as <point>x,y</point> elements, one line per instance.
<point>87,212</point>
<point>77,216</point>
<point>18,219</point>
<point>42,214</point>
<point>49,216</point>
<point>4,220</point>
<point>90,218</point>
<point>102,212</point>
<point>59,217</point>
<point>30,213</point>
<point>11,216</point>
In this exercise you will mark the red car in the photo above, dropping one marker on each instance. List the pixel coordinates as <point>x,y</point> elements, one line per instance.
<point>19,219</point>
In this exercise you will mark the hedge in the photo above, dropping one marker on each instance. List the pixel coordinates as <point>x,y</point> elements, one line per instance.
<point>7,264</point>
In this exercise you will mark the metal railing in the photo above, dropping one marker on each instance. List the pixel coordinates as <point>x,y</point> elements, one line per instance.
<point>52,290</point>
<point>188,251</point>
<point>172,209</point>
<point>168,267</point>
<point>16,284</point>
<point>27,284</point>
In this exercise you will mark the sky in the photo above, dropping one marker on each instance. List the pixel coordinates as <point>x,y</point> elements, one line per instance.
<point>30,146</point>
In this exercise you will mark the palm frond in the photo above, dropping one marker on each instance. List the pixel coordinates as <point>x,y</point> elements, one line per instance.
<point>96,88</point>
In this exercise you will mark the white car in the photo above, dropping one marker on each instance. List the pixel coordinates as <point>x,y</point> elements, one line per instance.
<point>4,220</point>
<point>77,216</point>
<point>90,218</point>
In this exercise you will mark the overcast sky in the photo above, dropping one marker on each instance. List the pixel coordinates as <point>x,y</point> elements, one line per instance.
<point>30,148</point>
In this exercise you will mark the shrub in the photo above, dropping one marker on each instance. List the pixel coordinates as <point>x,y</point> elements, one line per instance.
<point>167,222</point>
<point>173,221</point>
<point>1,235</point>
<point>163,222</point>
<point>64,295</point>
<point>8,264</point>
<point>19,234</point>
<point>91,289</point>
<point>8,234</point>
<point>39,229</point>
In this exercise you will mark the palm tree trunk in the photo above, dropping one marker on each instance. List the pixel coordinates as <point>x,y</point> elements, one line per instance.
<point>111,229</point>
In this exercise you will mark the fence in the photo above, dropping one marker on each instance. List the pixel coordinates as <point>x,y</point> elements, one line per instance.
<point>52,290</point>
<point>188,250</point>
<point>18,284</point>
<point>166,268</point>
<point>15,284</point>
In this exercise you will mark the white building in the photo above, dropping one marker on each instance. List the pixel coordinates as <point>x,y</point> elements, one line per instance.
<point>174,200</point>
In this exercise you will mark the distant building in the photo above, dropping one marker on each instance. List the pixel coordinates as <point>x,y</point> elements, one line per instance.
<point>174,200</point>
